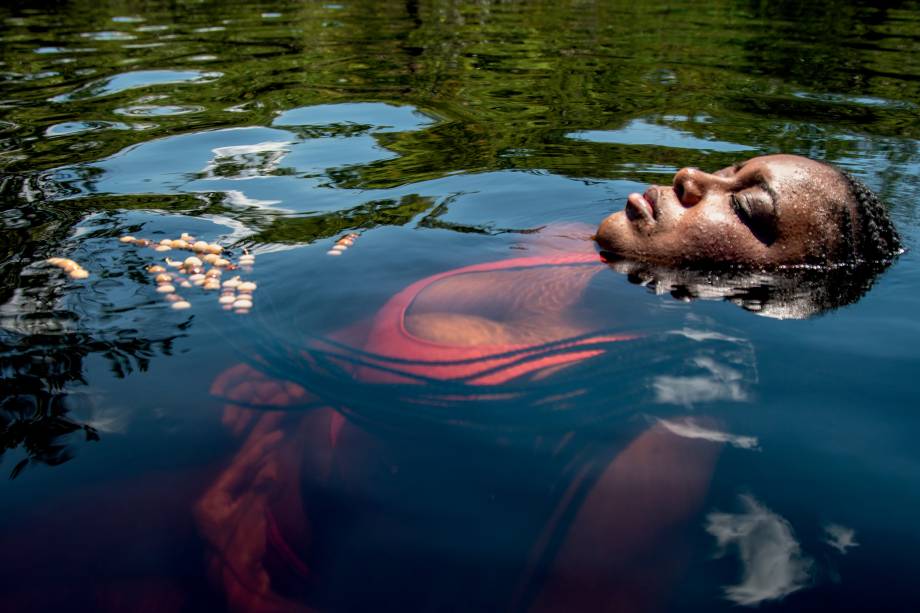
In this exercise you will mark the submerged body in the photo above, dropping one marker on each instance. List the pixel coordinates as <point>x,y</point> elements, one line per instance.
<point>587,533</point>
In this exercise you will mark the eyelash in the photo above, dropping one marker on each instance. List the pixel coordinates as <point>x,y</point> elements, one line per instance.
<point>755,216</point>
<point>740,209</point>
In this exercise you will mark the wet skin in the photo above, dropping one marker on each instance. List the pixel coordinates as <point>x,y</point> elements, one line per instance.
<point>770,211</point>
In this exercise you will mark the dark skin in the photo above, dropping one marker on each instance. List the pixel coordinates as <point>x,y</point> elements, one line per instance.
<point>770,211</point>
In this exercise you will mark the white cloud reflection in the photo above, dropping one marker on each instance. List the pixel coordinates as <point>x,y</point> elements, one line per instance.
<point>236,162</point>
<point>689,428</point>
<point>774,564</point>
<point>840,537</point>
<point>719,382</point>
<point>722,369</point>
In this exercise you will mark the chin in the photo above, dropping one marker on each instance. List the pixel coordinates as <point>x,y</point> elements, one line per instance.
<point>614,235</point>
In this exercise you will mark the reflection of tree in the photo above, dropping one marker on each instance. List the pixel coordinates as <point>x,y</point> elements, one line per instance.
<point>368,215</point>
<point>42,357</point>
<point>37,372</point>
<point>515,87</point>
<point>510,81</point>
<point>513,77</point>
<point>365,216</point>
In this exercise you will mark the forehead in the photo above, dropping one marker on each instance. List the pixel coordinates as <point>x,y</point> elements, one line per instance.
<point>792,172</point>
<point>783,169</point>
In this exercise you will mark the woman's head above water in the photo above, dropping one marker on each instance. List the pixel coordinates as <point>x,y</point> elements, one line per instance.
<point>770,211</point>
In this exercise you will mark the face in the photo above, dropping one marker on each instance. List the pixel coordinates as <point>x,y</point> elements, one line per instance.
<point>768,211</point>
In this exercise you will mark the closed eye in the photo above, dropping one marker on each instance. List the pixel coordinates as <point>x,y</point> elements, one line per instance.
<point>756,208</point>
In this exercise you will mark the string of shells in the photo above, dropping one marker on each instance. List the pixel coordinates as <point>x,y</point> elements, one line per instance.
<point>342,245</point>
<point>204,270</point>
<point>74,270</point>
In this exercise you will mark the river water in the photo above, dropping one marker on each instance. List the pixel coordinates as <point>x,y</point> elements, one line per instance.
<point>432,136</point>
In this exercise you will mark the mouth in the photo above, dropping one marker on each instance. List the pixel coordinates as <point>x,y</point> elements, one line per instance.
<point>642,206</point>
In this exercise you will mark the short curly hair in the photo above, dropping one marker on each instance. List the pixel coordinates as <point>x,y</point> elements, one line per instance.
<point>873,237</point>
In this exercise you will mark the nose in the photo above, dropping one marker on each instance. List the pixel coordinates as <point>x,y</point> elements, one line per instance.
<point>692,185</point>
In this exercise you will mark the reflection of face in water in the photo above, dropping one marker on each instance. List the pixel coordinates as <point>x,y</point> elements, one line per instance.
<point>789,293</point>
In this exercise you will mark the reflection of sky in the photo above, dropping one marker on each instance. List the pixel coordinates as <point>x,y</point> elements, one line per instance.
<point>133,80</point>
<point>710,376</point>
<point>773,564</point>
<point>69,128</point>
<point>718,382</point>
<point>642,132</point>
<point>860,100</point>
<point>382,117</point>
<point>689,428</point>
<point>293,169</point>
<point>259,160</point>
<point>840,537</point>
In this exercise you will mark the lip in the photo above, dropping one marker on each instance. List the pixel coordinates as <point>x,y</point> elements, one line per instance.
<point>639,206</point>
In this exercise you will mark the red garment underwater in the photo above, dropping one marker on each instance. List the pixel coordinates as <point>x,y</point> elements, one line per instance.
<point>258,520</point>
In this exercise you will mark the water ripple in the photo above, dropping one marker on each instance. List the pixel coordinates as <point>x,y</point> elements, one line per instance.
<point>643,132</point>
<point>108,35</point>
<point>69,128</point>
<point>382,117</point>
<point>153,110</point>
<point>132,80</point>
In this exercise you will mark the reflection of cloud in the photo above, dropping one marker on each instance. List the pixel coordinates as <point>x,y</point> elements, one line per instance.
<point>840,537</point>
<point>91,409</point>
<point>109,420</point>
<point>774,565</point>
<point>706,335</point>
<point>235,197</point>
<point>720,382</point>
<point>688,428</point>
<point>724,366</point>
<point>236,162</point>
